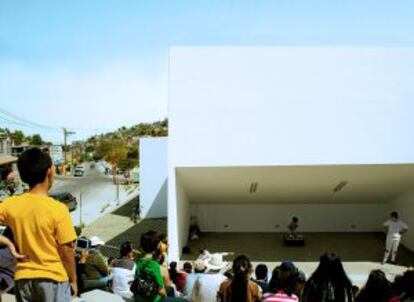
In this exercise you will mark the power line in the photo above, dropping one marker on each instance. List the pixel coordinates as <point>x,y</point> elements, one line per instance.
<point>24,121</point>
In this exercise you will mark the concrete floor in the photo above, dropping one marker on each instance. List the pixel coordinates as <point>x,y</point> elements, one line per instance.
<point>351,247</point>
<point>360,252</point>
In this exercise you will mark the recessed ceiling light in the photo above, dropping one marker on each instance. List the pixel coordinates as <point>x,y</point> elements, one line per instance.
<point>340,186</point>
<point>253,187</point>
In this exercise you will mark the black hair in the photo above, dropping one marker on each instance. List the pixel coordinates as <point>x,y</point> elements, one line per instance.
<point>403,285</point>
<point>158,256</point>
<point>295,219</point>
<point>377,288</point>
<point>188,267</point>
<point>150,241</point>
<point>172,272</point>
<point>33,165</point>
<point>125,249</point>
<point>329,273</point>
<point>394,214</point>
<point>261,272</point>
<point>241,270</point>
<point>283,280</point>
<point>163,238</point>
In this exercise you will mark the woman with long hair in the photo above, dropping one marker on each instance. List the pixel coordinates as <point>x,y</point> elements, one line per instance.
<point>282,286</point>
<point>329,282</point>
<point>377,289</point>
<point>240,288</point>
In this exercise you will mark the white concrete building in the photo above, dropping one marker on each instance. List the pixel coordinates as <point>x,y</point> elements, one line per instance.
<point>258,134</point>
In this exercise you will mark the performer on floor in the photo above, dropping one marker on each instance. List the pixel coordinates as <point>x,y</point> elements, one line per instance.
<point>293,226</point>
<point>395,228</point>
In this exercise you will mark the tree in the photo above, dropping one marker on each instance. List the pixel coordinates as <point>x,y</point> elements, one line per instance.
<point>36,140</point>
<point>17,137</point>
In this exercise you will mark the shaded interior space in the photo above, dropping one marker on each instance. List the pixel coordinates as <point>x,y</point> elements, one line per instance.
<point>269,247</point>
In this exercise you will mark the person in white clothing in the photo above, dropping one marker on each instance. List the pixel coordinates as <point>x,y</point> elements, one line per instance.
<point>394,228</point>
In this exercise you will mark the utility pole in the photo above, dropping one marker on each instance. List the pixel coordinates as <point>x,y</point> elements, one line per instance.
<point>66,133</point>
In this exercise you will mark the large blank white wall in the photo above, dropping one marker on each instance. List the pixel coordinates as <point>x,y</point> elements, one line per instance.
<point>153,177</point>
<point>405,206</point>
<point>290,105</point>
<point>241,106</point>
<point>276,217</point>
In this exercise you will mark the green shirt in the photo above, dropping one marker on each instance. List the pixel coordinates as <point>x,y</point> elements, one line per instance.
<point>152,268</point>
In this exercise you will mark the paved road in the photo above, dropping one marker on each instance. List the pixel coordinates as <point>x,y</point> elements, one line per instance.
<point>94,191</point>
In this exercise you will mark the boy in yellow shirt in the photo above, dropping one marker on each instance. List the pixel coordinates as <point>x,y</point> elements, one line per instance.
<point>43,231</point>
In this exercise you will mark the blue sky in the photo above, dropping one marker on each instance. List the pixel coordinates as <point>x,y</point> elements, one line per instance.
<point>93,66</point>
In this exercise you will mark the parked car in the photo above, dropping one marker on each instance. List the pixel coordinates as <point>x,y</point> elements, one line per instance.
<point>79,171</point>
<point>68,199</point>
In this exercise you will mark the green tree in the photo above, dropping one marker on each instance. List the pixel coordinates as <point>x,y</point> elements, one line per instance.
<point>36,140</point>
<point>17,137</point>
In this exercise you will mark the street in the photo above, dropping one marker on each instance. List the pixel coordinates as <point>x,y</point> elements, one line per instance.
<point>95,193</point>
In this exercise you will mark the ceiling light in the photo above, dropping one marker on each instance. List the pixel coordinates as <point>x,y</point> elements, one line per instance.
<point>253,187</point>
<point>340,186</point>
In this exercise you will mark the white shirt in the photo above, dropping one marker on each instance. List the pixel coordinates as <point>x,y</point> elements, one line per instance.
<point>394,228</point>
<point>203,287</point>
<point>122,279</point>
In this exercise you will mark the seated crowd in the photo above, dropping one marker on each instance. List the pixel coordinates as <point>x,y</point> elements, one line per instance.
<point>146,277</point>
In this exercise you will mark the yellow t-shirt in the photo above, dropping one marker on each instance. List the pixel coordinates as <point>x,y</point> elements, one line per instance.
<point>39,225</point>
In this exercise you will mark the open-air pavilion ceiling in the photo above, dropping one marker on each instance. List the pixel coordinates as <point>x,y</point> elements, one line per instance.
<point>297,184</point>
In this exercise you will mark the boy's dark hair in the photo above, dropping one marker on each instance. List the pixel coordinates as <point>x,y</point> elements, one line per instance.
<point>261,272</point>
<point>125,249</point>
<point>188,267</point>
<point>295,219</point>
<point>33,165</point>
<point>150,241</point>
<point>394,214</point>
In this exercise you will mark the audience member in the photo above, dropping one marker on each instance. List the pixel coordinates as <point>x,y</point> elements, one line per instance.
<point>49,274</point>
<point>148,270</point>
<point>177,277</point>
<point>97,274</point>
<point>202,286</point>
<point>261,274</point>
<point>81,259</point>
<point>283,284</point>
<point>8,260</point>
<point>188,267</point>
<point>329,282</point>
<point>404,286</point>
<point>123,271</point>
<point>377,289</point>
<point>240,288</point>
<point>169,286</point>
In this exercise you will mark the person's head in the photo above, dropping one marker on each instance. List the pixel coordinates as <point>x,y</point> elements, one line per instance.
<point>35,168</point>
<point>96,242</point>
<point>377,288</point>
<point>126,250</point>
<point>242,269</point>
<point>404,284</point>
<point>295,219</point>
<point>158,256</point>
<point>330,268</point>
<point>150,241</point>
<point>199,266</point>
<point>284,278</point>
<point>394,216</point>
<point>261,272</point>
<point>163,246</point>
<point>187,267</point>
<point>173,266</point>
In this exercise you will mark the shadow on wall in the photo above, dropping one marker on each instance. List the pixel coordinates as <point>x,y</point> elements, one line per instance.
<point>159,205</point>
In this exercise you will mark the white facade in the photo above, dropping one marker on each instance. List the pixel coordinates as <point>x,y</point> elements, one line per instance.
<point>153,177</point>
<point>287,106</point>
